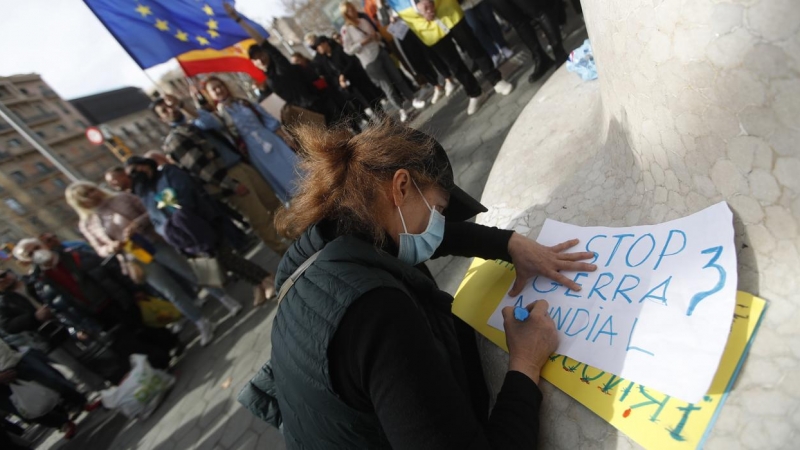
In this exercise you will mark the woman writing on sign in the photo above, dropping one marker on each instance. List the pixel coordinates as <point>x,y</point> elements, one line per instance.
<point>366,353</point>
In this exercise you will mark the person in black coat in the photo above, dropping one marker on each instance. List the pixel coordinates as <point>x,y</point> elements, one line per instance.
<point>93,297</point>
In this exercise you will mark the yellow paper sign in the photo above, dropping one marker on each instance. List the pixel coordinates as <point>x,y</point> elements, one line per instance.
<point>652,419</point>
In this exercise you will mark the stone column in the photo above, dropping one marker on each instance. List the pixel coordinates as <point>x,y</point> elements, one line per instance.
<point>697,101</point>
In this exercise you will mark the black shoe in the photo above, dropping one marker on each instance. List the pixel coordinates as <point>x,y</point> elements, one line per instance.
<point>540,66</point>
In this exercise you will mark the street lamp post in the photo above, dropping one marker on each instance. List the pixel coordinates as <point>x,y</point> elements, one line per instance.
<point>37,143</point>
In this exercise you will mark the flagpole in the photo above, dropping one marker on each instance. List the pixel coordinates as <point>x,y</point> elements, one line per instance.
<point>155,83</point>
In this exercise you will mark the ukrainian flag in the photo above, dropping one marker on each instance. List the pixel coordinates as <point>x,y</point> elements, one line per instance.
<point>153,31</point>
<point>448,12</point>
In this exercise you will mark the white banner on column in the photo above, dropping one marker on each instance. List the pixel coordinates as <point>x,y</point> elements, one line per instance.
<point>658,309</point>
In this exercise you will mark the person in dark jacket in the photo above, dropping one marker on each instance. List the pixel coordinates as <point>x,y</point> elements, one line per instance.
<point>284,78</point>
<point>345,71</point>
<point>25,321</point>
<point>95,298</point>
<point>187,218</point>
<point>365,350</point>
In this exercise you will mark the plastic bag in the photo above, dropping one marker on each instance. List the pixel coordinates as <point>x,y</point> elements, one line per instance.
<point>581,61</point>
<point>33,400</point>
<point>158,313</point>
<point>140,392</point>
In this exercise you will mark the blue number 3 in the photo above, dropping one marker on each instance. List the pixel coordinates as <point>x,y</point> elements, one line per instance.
<point>700,296</point>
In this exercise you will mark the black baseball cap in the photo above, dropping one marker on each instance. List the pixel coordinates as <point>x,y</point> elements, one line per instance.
<point>462,206</point>
<point>319,40</point>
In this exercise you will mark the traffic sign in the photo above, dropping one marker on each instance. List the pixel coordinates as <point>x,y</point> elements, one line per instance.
<point>94,135</point>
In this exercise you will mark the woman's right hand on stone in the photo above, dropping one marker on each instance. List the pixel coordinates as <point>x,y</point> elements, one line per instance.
<point>532,341</point>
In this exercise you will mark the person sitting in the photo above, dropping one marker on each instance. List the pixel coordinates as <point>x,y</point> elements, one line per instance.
<point>366,352</point>
<point>26,322</point>
<point>183,214</point>
<point>96,299</point>
<point>32,366</point>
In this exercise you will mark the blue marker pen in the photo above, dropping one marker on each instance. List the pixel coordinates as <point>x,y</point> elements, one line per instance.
<point>521,313</point>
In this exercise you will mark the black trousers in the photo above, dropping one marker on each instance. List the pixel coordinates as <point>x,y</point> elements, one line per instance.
<point>520,14</point>
<point>423,61</point>
<point>446,49</point>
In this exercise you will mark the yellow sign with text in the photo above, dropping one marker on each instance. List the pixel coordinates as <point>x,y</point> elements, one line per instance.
<point>652,419</point>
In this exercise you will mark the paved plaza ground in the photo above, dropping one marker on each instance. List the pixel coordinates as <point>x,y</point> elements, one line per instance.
<point>201,412</point>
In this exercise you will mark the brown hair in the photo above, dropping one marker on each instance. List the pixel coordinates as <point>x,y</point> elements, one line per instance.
<point>243,101</point>
<point>345,173</point>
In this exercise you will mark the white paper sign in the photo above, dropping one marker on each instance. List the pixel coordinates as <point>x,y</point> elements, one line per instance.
<point>658,309</point>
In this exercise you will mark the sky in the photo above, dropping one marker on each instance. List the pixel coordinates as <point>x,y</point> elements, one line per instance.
<point>65,43</point>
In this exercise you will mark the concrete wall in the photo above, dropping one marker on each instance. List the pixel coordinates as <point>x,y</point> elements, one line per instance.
<point>697,101</point>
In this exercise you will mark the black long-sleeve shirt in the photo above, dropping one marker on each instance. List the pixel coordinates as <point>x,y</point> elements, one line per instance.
<point>382,359</point>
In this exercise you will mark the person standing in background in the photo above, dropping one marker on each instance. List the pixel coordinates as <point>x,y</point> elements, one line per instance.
<point>359,38</point>
<point>480,17</point>
<point>201,144</point>
<point>263,136</point>
<point>520,14</point>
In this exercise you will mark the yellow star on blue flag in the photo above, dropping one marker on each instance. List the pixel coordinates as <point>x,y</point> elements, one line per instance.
<point>153,31</point>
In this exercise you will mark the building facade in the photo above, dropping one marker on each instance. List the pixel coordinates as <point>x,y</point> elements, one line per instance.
<point>124,113</point>
<point>31,188</point>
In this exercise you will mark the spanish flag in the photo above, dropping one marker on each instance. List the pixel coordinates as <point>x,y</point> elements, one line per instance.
<point>230,59</point>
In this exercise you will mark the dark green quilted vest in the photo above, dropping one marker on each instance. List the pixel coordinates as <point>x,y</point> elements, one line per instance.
<point>347,268</point>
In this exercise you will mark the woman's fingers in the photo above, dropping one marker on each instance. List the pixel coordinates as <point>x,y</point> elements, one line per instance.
<point>579,256</point>
<point>564,245</point>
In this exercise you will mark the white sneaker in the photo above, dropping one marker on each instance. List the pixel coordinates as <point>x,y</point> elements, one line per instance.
<point>206,332</point>
<point>474,104</point>
<point>437,94</point>
<point>497,59</point>
<point>403,115</point>
<point>503,87</point>
<point>507,52</point>
<point>449,87</point>
<point>369,112</point>
<point>417,103</point>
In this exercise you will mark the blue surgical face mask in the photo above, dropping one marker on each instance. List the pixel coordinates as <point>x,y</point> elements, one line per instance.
<point>418,248</point>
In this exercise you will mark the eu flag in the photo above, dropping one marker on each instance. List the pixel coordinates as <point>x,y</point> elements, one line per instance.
<point>153,31</point>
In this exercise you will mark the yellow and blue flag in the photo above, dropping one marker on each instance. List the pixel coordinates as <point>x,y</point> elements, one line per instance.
<point>153,31</point>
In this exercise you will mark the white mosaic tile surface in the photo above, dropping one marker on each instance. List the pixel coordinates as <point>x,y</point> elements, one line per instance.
<point>698,101</point>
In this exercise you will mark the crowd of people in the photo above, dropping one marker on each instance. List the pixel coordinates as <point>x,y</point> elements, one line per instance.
<point>363,336</point>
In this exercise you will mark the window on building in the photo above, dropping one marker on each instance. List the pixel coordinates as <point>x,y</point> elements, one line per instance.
<point>14,143</point>
<point>63,108</point>
<point>60,183</point>
<point>24,91</point>
<point>15,206</point>
<point>41,134</point>
<point>80,124</point>
<point>4,92</point>
<point>18,176</point>
<point>36,190</point>
<point>43,168</point>
<point>61,128</point>
<point>42,109</point>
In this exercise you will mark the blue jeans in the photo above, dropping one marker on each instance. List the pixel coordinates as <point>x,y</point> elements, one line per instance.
<point>161,275</point>
<point>483,23</point>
